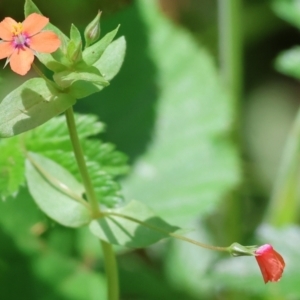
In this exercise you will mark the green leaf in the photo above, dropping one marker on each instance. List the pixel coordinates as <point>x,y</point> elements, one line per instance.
<point>92,53</point>
<point>121,231</point>
<point>54,134</point>
<point>112,59</point>
<point>30,105</point>
<point>190,161</point>
<point>43,176</point>
<point>288,10</point>
<point>103,161</point>
<point>288,62</point>
<point>11,167</point>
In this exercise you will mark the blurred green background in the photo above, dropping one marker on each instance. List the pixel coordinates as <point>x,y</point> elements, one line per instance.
<point>168,111</point>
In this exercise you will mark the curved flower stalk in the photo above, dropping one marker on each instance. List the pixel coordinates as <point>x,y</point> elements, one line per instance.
<point>20,41</point>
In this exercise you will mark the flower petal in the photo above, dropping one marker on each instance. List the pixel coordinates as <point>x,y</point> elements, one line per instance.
<point>21,60</point>
<point>45,42</point>
<point>6,49</point>
<point>6,27</point>
<point>34,23</point>
<point>270,263</point>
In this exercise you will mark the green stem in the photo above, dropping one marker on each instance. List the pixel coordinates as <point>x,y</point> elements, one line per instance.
<point>230,46</point>
<point>174,235</point>
<point>109,256</point>
<point>283,206</point>
<point>111,271</point>
<point>230,51</point>
<point>90,192</point>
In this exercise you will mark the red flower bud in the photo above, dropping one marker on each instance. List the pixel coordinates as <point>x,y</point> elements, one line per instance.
<point>270,263</point>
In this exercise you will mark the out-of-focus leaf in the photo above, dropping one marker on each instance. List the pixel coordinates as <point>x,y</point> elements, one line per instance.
<point>190,162</point>
<point>42,174</point>
<point>193,262</point>
<point>69,278</point>
<point>288,10</point>
<point>30,105</point>
<point>288,62</point>
<point>121,231</point>
<point>11,166</point>
<point>20,218</point>
<point>283,206</point>
<point>112,59</point>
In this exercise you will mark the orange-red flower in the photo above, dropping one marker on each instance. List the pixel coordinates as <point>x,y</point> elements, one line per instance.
<point>270,263</point>
<point>20,41</point>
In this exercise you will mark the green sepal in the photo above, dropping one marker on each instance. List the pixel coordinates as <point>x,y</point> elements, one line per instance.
<point>123,231</point>
<point>43,176</point>
<point>92,30</point>
<point>74,52</point>
<point>92,53</point>
<point>30,105</point>
<point>74,49</point>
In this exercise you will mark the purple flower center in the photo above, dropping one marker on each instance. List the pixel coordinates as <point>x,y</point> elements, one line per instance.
<point>21,40</point>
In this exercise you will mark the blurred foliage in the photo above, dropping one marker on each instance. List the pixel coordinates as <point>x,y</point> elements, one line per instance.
<point>167,111</point>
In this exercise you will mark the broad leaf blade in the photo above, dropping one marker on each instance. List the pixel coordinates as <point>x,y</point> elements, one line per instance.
<point>50,199</point>
<point>121,231</point>
<point>30,105</point>
<point>190,162</point>
<point>112,59</point>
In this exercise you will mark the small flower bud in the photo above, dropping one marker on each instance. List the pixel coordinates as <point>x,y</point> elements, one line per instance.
<point>92,31</point>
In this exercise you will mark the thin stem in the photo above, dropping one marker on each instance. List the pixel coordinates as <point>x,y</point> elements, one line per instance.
<point>230,46</point>
<point>90,192</point>
<point>230,51</point>
<point>111,271</point>
<point>109,256</point>
<point>174,235</point>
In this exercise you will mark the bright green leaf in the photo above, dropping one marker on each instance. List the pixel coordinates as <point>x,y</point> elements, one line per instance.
<point>30,105</point>
<point>190,162</point>
<point>112,59</point>
<point>288,10</point>
<point>11,166</point>
<point>288,62</point>
<point>94,52</point>
<point>41,172</point>
<point>121,231</point>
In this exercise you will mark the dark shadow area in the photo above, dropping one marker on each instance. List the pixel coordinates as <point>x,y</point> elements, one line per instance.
<point>127,106</point>
<point>16,277</point>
